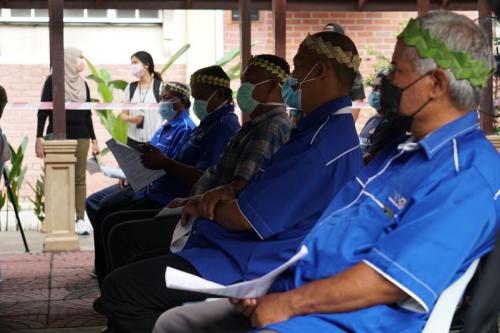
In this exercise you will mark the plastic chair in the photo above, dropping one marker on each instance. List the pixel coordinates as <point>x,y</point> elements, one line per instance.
<point>441,316</point>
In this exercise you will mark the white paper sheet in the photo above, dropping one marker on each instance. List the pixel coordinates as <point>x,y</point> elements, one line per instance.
<point>113,172</point>
<point>129,161</point>
<point>176,279</point>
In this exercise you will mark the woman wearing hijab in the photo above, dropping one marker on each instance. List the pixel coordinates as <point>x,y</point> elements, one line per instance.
<point>78,127</point>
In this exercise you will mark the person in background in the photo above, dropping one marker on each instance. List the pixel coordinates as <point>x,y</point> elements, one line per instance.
<point>366,134</point>
<point>357,91</point>
<point>78,127</point>
<point>142,124</point>
<point>4,146</point>
<point>3,100</point>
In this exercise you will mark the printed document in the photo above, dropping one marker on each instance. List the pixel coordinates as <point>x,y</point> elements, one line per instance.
<point>176,279</point>
<point>130,162</point>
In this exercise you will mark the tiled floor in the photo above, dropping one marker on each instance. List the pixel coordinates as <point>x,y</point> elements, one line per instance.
<point>47,290</point>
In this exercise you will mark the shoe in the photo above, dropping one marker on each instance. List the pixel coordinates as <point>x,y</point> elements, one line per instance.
<point>93,274</point>
<point>106,329</point>
<point>82,227</point>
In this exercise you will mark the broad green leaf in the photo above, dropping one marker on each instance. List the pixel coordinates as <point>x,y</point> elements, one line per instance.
<point>228,57</point>
<point>119,84</point>
<point>91,67</point>
<point>176,56</point>
<point>94,78</point>
<point>106,94</point>
<point>105,75</point>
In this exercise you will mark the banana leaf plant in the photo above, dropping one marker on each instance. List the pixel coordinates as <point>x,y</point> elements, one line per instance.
<point>16,173</point>
<point>39,200</point>
<point>105,85</point>
<point>234,72</point>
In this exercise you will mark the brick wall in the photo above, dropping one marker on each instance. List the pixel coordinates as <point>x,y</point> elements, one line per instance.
<point>24,84</point>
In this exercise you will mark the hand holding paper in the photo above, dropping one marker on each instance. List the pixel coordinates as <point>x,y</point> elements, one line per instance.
<point>176,279</point>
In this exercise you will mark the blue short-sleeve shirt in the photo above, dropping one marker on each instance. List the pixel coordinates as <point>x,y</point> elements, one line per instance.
<point>201,149</point>
<point>172,135</point>
<point>283,200</point>
<point>419,214</point>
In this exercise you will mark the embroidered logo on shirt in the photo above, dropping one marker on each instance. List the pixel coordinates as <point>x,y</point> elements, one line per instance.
<point>398,200</point>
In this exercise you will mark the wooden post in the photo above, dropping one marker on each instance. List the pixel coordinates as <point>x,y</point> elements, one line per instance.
<point>245,7</point>
<point>279,28</point>
<point>486,106</point>
<point>56,31</point>
<point>423,7</point>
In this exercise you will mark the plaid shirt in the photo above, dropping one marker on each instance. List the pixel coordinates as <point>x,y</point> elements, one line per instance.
<point>256,141</point>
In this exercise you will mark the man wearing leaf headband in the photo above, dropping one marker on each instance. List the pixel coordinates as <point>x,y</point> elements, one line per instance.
<point>411,222</point>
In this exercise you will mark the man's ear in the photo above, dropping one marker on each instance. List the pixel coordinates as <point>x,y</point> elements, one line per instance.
<point>322,69</point>
<point>440,83</point>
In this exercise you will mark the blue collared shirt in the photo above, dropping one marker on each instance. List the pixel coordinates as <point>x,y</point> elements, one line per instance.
<point>419,214</point>
<point>172,135</point>
<point>202,149</point>
<point>283,200</point>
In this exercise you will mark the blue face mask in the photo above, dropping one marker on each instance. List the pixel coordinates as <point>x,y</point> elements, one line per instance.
<point>167,110</point>
<point>245,99</point>
<point>291,96</point>
<point>374,100</point>
<point>200,107</point>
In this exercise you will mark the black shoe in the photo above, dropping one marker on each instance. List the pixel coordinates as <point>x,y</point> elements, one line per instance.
<point>93,274</point>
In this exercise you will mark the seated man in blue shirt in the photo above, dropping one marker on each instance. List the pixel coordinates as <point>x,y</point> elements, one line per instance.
<point>243,238</point>
<point>410,223</point>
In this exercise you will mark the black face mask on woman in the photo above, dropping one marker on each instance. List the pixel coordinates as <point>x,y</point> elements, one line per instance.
<point>390,100</point>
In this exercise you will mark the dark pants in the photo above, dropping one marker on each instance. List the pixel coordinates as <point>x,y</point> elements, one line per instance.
<point>116,200</point>
<point>135,295</point>
<point>485,296</point>
<point>137,239</point>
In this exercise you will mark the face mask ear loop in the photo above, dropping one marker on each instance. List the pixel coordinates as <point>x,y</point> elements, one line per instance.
<point>305,80</point>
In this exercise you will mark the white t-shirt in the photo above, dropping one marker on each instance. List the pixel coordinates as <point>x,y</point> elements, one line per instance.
<point>152,118</point>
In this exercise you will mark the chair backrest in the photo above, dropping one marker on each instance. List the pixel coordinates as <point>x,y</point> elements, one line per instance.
<point>441,316</point>
<point>495,140</point>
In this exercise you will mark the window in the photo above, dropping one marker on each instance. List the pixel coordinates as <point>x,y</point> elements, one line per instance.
<point>129,16</point>
<point>254,15</point>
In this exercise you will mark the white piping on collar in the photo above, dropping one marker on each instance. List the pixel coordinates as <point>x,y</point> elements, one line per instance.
<point>455,155</point>
<point>451,137</point>
<point>344,110</point>
<point>339,156</point>
<point>496,195</point>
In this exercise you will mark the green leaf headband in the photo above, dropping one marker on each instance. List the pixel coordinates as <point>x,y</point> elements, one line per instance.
<point>462,65</point>
<point>320,46</point>
<point>270,67</point>
<point>178,89</point>
<point>211,80</point>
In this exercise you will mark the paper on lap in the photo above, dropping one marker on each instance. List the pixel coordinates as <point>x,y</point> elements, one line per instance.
<point>176,279</point>
<point>129,161</point>
<point>94,166</point>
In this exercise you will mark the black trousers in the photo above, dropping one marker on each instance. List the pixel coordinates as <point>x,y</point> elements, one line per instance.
<point>136,239</point>
<point>121,202</point>
<point>135,295</point>
<point>111,222</point>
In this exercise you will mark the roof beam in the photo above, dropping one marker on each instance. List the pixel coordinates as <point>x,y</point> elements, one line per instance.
<point>486,106</point>
<point>361,5</point>
<point>279,28</point>
<point>423,7</point>
<point>56,40</point>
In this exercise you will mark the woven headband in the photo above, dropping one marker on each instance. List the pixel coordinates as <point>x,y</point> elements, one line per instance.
<point>460,63</point>
<point>210,80</point>
<point>269,67</point>
<point>318,45</point>
<point>178,89</point>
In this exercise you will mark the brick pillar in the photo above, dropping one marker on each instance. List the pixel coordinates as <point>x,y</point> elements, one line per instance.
<point>60,196</point>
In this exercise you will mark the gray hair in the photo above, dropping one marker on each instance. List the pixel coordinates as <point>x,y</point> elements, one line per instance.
<point>461,34</point>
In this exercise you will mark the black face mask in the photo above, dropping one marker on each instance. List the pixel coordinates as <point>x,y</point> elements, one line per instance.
<point>390,100</point>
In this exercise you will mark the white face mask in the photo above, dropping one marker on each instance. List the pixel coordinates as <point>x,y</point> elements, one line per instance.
<point>137,70</point>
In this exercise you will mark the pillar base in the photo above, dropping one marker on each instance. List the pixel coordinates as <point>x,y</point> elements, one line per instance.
<point>59,243</point>
<point>60,196</point>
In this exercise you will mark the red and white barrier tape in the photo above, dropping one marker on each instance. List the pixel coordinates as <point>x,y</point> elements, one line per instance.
<point>82,106</point>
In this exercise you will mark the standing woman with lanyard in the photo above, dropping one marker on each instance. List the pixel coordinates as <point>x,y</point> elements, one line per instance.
<point>78,127</point>
<point>142,124</point>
